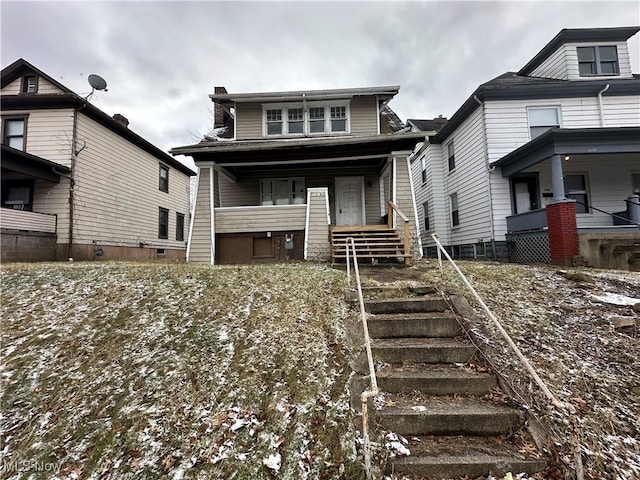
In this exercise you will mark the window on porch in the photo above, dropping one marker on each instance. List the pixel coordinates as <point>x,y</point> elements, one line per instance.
<point>282,191</point>
<point>18,194</point>
<point>575,186</point>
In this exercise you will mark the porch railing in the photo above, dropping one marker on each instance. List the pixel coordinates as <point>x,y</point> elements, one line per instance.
<point>22,220</point>
<point>532,220</point>
<point>258,218</point>
<point>391,208</point>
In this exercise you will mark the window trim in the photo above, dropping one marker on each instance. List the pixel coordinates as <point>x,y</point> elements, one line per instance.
<point>584,192</point>
<point>597,62</point>
<point>427,218</point>
<point>306,125</point>
<point>180,227</point>
<point>3,128</point>
<point>423,169</point>
<point>451,157</point>
<point>163,212</point>
<point>454,215</point>
<point>24,83</point>
<point>162,188</point>
<point>291,197</point>
<point>557,108</point>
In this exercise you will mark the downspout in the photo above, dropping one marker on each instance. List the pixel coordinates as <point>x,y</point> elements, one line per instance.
<point>72,182</point>
<point>606,87</point>
<point>490,169</point>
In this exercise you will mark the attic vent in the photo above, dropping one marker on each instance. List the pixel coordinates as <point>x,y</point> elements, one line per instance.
<point>121,119</point>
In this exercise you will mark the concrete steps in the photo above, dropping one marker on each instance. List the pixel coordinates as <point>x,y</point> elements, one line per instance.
<point>433,398</point>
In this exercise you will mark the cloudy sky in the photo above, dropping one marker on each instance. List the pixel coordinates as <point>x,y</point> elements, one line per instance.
<point>162,59</point>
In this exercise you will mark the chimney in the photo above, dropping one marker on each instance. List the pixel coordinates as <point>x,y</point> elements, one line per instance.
<point>121,119</point>
<point>218,110</point>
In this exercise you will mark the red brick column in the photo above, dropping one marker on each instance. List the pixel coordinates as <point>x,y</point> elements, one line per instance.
<point>563,232</point>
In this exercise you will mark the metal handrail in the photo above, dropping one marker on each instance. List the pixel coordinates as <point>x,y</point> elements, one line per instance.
<point>612,215</point>
<point>373,389</point>
<point>554,401</point>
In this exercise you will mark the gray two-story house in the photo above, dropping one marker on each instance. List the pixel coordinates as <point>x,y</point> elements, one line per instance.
<point>289,175</point>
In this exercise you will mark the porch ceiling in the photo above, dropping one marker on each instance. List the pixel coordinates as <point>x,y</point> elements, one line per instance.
<point>17,161</point>
<point>564,141</point>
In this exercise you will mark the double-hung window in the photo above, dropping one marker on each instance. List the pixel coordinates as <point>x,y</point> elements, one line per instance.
<point>296,120</point>
<point>425,209</point>
<point>163,223</point>
<point>316,120</point>
<point>13,132</point>
<point>339,119</point>
<point>423,169</point>
<point>282,191</point>
<point>542,119</point>
<point>451,156</point>
<point>598,60</point>
<point>575,187</point>
<point>29,84</point>
<point>274,121</point>
<point>163,179</point>
<point>455,213</point>
<point>179,227</point>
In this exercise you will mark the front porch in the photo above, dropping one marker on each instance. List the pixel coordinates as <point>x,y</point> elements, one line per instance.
<point>252,208</point>
<point>591,173</point>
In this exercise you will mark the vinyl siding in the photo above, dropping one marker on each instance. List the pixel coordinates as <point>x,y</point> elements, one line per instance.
<point>364,116</point>
<point>12,88</point>
<point>621,111</point>
<point>624,63</point>
<point>260,219</point>
<point>53,198</point>
<point>44,87</point>
<point>248,120</point>
<point>431,191</point>
<point>317,232</point>
<point>29,221</point>
<point>49,134</point>
<point>469,181</point>
<point>117,196</point>
<point>200,242</point>
<point>555,66</point>
<point>405,199</point>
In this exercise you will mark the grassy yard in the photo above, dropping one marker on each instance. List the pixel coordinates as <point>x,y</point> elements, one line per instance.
<point>114,370</point>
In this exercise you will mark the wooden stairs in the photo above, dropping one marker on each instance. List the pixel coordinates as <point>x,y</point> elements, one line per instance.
<point>374,244</point>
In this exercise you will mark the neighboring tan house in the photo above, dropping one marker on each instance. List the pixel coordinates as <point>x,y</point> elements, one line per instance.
<point>566,126</point>
<point>289,175</point>
<point>77,183</point>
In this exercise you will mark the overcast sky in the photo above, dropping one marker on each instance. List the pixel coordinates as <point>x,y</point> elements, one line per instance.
<point>162,59</point>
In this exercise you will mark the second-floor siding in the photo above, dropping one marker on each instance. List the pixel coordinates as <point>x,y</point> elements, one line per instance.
<point>362,117</point>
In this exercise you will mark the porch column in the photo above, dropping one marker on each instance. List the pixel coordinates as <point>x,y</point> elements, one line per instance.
<point>557,178</point>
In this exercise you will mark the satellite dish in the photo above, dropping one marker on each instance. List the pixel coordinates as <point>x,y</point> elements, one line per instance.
<point>97,82</point>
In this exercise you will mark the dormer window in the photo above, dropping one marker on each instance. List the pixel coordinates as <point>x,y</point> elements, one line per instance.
<point>29,84</point>
<point>317,118</point>
<point>598,60</point>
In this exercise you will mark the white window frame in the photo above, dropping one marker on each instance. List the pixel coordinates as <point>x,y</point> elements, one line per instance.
<point>306,131</point>
<point>290,180</point>
<point>423,169</point>
<point>558,110</point>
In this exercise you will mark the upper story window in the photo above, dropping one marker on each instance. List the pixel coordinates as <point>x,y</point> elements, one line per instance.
<point>423,168</point>
<point>542,119</point>
<point>163,179</point>
<point>598,60</point>
<point>315,119</point>
<point>29,84</point>
<point>282,191</point>
<point>14,132</point>
<point>451,156</point>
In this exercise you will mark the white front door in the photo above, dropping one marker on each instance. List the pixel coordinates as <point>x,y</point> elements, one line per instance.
<point>350,201</point>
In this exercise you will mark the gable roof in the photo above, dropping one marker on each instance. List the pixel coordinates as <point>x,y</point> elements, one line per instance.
<point>69,99</point>
<point>577,35</point>
<point>427,125</point>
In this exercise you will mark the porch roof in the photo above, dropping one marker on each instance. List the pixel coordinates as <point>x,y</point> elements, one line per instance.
<point>14,160</point>
<point>300,149</point>
<point>570,141</point>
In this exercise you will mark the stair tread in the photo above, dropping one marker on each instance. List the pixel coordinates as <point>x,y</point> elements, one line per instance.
<point>448,406</point>
<point>391,317</point>
<point>427,371</point>
<point>404,342</point>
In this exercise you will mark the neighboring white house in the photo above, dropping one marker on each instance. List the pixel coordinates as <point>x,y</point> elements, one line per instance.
<point>488,173</point>
<point>78,183</point>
